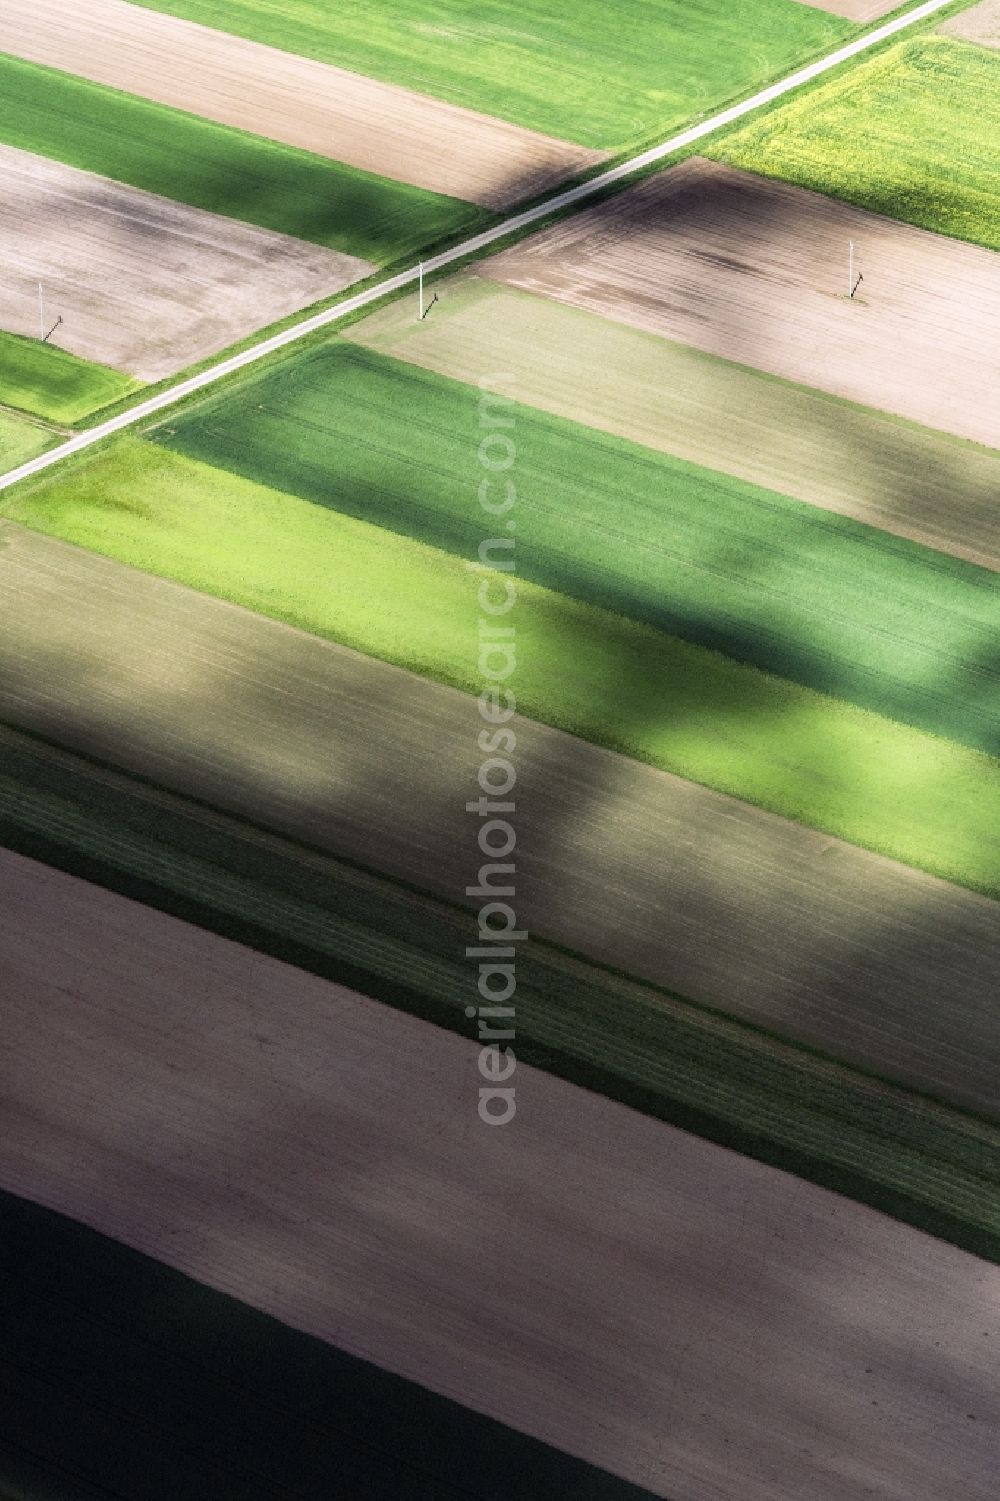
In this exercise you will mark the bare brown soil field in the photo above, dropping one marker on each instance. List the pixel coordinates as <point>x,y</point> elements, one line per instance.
<point>855,10</point>
<point>696,1322</point>
<point>142,283</point>
<point>979,24</point>
<point>918,483</point>
<point>378,127</point>
<point>823,943</point>
<point>756,271</point>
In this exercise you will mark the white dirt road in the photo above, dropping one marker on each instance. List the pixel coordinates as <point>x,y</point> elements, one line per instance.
<point>378,127</point>
<point>702,1325</point>
<point>142,283</point>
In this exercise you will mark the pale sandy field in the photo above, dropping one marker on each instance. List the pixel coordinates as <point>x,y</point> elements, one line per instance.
<point>705,1326</point>
<point>757,271</point>
<point>914,481</point>
<point>979,24</point>
<point>142,283</point>
<point>379,127</point>
<point>855,10</point>
<point>821,942</point>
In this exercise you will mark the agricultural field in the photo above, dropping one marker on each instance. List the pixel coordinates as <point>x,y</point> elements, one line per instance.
<point>820,600</point>
<point>375,127</point>
<point>87,239</point>
<point>980,23</point>
<point>758,271</point>
<point>50,383</point>
<point>21,440</point>
<point>576,74</point>
<point>888,473</point>
<point>928,1165</point>
<point>241,713</point>
<point>225,172</point>
<point>910,134</point>
<point>314,1102</point>
<point>752,743</point>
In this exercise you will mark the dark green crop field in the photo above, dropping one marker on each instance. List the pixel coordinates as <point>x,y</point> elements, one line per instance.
<point>580,71</point>
<point>219,169</point>
<point>911,134</point>
<point>817,598</point>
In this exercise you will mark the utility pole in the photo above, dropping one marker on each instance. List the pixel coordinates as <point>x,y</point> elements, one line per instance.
<point>850,270</point>
<point>41,313</point>
<point>421,291</point>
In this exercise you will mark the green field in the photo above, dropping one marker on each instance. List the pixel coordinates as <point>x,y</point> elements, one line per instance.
<point>48,382</point>
<point>882,470</point>
<point>911,134</point>
<point>574,71</point>
<point>222,170</point>
<point>814,597</point>
<point>21,440</point>
<point>927,801</point>
<point>928,1165</point>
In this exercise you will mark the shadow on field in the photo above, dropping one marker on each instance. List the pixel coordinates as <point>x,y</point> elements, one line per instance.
<point>121,1377</point>
<point>690,891</point>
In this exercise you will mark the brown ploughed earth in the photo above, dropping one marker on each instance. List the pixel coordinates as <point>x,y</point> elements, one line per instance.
<point>378,127</point>
<point>926,485</point>
<point>707,1327</point>
<point>823,943</point>
<point>854,10</point>
<point>142,283</point>
<point>757,271</point>
<point>979,24</point>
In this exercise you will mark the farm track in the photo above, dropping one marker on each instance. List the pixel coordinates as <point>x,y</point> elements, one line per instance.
<point>88,239</point>
<point>377,127</point>
<point>645,872</point>
<point>320,1157</point>
<point>754,270</point>
<point>908,480</point>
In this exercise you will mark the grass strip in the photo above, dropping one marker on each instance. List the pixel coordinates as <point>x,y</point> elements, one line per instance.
<point>910,134</point>
<point>815,597</point>
<point>47,382</point>
<point>924,1163</point>
<point>220,169</point>
<point>924,800</point>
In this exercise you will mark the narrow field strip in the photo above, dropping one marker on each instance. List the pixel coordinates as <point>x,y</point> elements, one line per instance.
<point>376,127</point>
<point>48,382</point>
<point>841,1350</point>
<point>88,240</point>
<point>581,74</point>
<point>226,172</point>
<point>758,271</point>
<point>928,1166</point>
<point>910,134</point>
<point>877,469</point>
<point>878,964</point>
<point>820,600</point>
